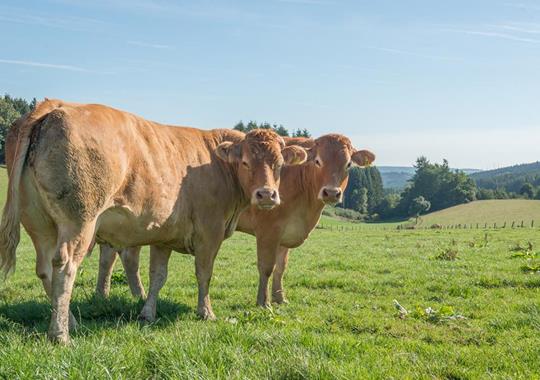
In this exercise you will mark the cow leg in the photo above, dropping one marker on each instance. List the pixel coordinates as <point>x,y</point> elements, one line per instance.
<point>159,260</point>
<point>45,249</point>
<point>130,261</point>
<point>266,261</point>
<point>282,259</point>
<point>71,248</point>
<point>107,258</point>
<point>204,266</point>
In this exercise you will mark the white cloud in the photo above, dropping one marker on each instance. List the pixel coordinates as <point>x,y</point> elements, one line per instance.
<point>493,34</point>
<point>412,53</point>
<point>307,2</point>
<point>149,45</point>
<point>43,65</point>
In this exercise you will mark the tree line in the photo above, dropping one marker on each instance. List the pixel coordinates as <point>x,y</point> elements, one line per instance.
<point>279,129</point>
<point>10,110</point>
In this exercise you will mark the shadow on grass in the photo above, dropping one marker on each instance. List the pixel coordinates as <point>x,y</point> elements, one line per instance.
<point>97,312</point>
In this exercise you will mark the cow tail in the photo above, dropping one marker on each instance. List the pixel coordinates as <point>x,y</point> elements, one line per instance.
<point>19,140</point>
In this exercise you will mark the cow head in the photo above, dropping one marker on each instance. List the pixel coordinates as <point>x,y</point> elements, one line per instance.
<point>331,157</point>
<point>259,159</point>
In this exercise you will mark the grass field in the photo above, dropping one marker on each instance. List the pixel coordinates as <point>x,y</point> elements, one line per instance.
<point>491,211</point>
<point>341,321</point>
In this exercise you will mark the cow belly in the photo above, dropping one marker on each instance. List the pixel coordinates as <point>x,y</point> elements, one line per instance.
<point>120,228</point>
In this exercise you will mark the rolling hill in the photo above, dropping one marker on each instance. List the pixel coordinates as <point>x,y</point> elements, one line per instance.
<point>490,211</point>
<point>510,178</point>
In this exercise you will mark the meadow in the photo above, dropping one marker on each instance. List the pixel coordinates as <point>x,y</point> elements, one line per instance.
<point>472,311</point>
<point>497,211</point>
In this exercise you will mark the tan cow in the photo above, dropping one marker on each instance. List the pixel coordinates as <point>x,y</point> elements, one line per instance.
<point>305,190</point>
<point>84,172</point>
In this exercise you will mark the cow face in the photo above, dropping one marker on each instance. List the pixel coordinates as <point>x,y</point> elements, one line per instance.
<point>259,159</point>
<point>332,156</point>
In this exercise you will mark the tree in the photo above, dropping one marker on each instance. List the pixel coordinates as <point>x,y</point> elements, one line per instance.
<point>387,207</point>
<point>10,110</point>
<point>279,129</point>
<point>359,178</point>
<point>419,206</point>
<point>527,190</point>
<point>301,133</point>
<point>439,184</point>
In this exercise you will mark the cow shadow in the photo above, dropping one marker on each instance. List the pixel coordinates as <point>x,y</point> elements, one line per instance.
<point>93,314</point>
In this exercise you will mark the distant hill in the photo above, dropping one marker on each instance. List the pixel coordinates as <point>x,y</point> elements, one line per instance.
<point>396,177</point>
<point>510,178</point>
<point>491,211</point>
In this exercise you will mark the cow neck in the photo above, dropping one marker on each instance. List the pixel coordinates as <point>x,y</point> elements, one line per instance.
<point>306,185</point>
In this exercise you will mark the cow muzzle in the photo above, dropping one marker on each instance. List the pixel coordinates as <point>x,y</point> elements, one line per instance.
<point>331,195</point>
<point>265,198</point>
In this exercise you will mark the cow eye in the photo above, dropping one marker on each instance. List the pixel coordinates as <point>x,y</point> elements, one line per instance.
<point>246,165</point>
<point>349,165</point>
<point>318,162</point>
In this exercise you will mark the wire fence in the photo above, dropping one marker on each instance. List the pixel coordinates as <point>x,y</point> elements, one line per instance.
<point>410,226</point>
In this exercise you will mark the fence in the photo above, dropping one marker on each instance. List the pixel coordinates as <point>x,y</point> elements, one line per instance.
<point>405,226</point>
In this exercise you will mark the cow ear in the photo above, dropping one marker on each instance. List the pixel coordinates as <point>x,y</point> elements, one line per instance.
<point>363,157</point>
<point>294,155</point>
<point>229,152</point>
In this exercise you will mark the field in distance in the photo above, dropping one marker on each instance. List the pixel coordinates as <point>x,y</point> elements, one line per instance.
<point>472,312</point>
<point>491,211</point>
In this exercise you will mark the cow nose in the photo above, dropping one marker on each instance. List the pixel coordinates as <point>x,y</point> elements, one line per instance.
<point>266,198</point>
<point>331,194</point>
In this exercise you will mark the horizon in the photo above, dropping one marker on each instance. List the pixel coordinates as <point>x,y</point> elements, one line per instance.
<point>403,80</point>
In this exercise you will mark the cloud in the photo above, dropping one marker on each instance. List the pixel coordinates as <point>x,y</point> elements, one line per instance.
<point>43,65</point>
<point>307,2</point>
<point>526,7</point>
<point>522,28</point>
<point>494,34</point>
<point>22,16</point>
<point>412,53</point>
<point>149,45</point>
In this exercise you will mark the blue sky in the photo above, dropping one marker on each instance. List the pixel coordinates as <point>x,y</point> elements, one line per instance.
<point>447,79</point>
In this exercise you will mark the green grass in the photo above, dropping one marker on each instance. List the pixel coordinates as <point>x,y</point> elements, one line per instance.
<point>341,321</point>
<point>491,211</point>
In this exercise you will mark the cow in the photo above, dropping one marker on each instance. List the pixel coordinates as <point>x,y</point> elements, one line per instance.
<point>305,190</point>
<point>80,174</point>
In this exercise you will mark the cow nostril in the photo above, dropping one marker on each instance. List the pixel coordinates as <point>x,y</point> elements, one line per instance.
<point>259,195</point>
<point>274,195</point>
<point>338,194</point>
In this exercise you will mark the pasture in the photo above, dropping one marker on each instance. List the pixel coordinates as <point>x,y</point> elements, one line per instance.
<point>490,211</point>
<point>341,322</point>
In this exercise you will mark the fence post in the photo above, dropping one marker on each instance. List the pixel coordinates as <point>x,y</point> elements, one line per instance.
<point>532,223</point>
<point>513,223</point>
<point>485,225</point>
<point>522,224</point>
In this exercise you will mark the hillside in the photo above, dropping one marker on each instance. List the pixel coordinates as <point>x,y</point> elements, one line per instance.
<point>509,178</point>
<point>490,211</point>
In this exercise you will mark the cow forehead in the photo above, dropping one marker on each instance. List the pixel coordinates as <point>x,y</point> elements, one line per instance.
<point>263,145</point>
<point>335,145</point>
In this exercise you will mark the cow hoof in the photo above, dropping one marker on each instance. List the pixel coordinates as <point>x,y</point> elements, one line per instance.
<point>207,315</point>
<point>59,338</point>
<point>146,319</point>
<point>265,305</point>
<point>280,300</point>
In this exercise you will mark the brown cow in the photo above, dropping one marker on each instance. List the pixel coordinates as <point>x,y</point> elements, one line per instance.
<point>84,172</point>
<point>304,189</point>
